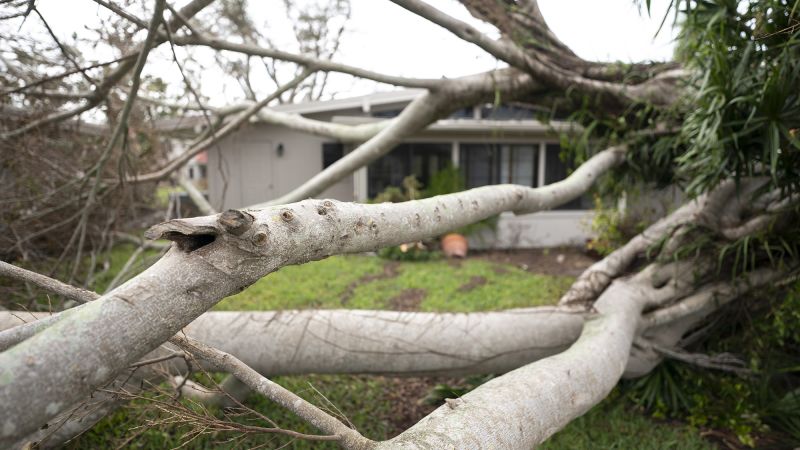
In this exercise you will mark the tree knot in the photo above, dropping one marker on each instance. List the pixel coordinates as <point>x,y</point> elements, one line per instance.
<point>235,222</point>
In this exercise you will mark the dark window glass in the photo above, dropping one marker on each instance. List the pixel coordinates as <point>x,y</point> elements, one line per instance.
<point>518,164</point>
<point>419,159</point>
<point>484,164</point>
<point>478,164</point>
<point>506,112</point>
<point>463,113</point>
<point>555,169</point>
<point>331,152</point>
<point>387,114</point>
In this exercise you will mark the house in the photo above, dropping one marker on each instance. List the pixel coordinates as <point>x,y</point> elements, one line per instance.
<point>490,144</point>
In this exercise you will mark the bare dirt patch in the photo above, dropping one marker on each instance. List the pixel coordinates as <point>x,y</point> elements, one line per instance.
<point>473,283</point>
<point>407,300</point>
<point>499,270</point>
<point>406,398</point>
<point>391,269</point>
<point>553,261</point>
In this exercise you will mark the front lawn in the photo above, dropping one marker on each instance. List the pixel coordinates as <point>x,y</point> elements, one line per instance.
<point>366,282</point>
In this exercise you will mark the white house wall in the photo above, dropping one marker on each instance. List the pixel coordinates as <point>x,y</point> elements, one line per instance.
<point>543,229</point>
<point>245,169</point>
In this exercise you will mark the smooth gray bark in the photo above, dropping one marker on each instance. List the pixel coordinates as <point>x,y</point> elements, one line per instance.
<point>541,397</point>
<point>380,342</point>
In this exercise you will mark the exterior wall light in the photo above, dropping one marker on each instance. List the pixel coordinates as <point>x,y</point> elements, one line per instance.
<point>280,150</point>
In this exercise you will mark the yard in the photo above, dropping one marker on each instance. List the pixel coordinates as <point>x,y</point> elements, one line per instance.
<point>381,407</point>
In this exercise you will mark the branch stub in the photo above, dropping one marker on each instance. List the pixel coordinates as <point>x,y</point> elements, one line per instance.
<point>235,222</point>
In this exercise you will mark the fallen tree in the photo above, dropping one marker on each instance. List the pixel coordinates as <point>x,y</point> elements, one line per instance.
<point>621,317</point>
<point>229,247</point>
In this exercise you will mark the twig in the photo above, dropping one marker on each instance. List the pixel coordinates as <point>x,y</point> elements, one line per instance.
<point>121,127</point>
<point>64,50</point>
<point>47,283</point>
<point>723,361</point>
<point>289,400</point>
<point>66,74</point>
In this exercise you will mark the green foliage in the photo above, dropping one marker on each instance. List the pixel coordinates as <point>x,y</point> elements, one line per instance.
<point>446,181</point>
<point>702,398</point>
<point>613,424</point>
<point>411,191</point>
<point>775,247</point>
<point>766,333</point>
<point>739,115</point>
<point>611,227</point>
<point>746,104</point>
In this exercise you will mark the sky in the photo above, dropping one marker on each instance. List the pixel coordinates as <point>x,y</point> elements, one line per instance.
<point>384,37</point>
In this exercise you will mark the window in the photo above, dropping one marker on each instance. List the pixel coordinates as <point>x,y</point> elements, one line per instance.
<point>463,113</point>
<point>331,152</point>
<point>507,112</point>
<point>494,163</point>
<point>518,164</point>
<point>387,113</point>
<point>419,159</point>
<point>484,164</point>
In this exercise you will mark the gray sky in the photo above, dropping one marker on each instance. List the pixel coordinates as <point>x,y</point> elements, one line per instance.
<point>386,38</point>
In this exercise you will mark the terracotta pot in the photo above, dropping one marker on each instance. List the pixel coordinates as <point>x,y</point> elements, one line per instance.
<point>454,245</point>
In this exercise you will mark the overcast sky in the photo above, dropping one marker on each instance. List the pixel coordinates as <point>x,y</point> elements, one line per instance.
<point>384,37</point>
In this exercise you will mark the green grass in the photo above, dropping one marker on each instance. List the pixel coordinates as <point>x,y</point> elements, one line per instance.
<point>317,284</point>
<point>614,424</point>
<point>362,400</point>
<point>371,402</point>
<point>473,285</point>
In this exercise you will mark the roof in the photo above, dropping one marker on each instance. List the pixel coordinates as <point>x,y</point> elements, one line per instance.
<point>365,102</point>
<point>518,128</point>
<point>362,102</point>
<point>382,100</point>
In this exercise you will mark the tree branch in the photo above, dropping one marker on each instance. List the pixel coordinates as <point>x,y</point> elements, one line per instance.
<point>114,77</point>
<point>47,283</point>
<point>320,64</point>
<point>544,396</point>
<point>499,49</point>
<point>421,112</point>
